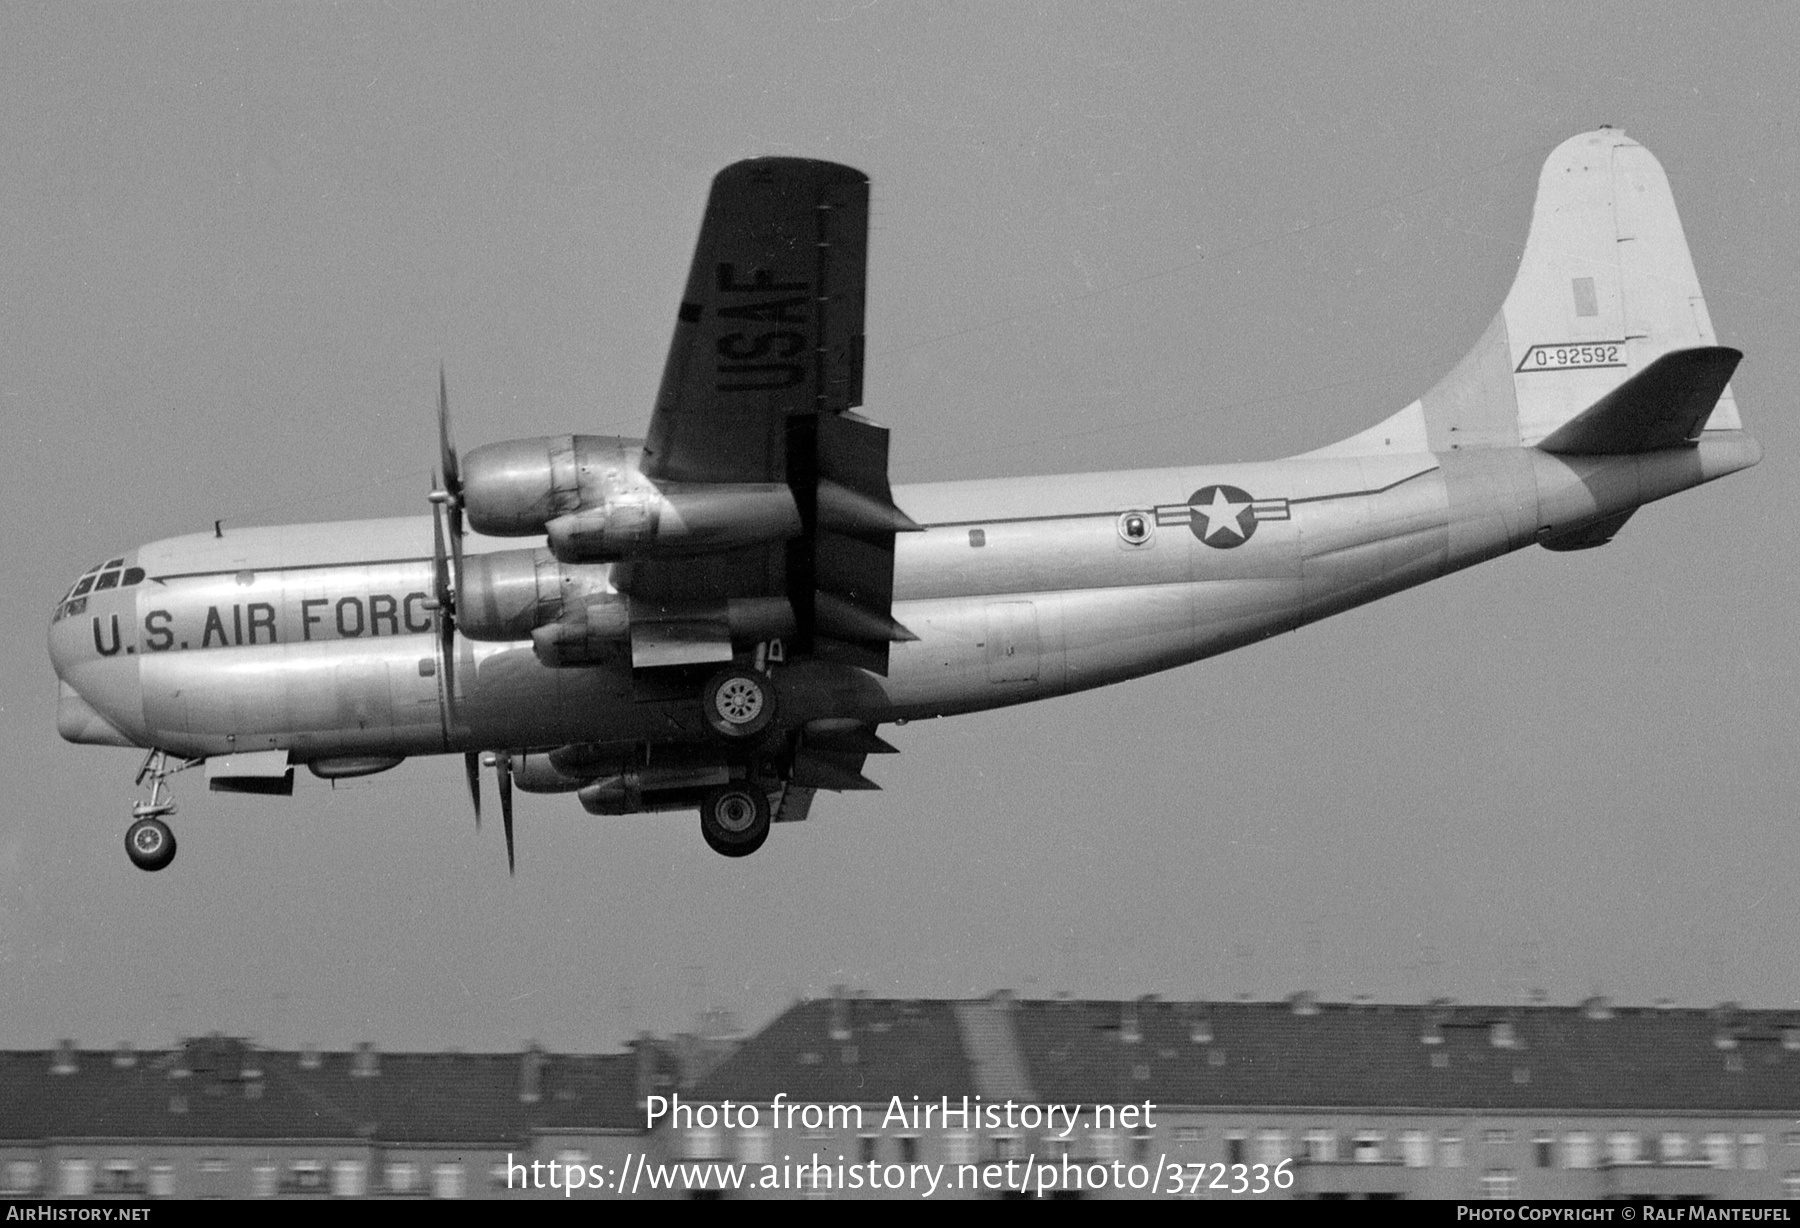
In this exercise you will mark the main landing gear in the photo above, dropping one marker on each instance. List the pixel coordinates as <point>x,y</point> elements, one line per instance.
<point>738,703</point>
<point>734,819</point>
<point>148,841</point>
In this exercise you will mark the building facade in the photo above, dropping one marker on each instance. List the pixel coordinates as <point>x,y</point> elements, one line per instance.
<point>858,1097</point>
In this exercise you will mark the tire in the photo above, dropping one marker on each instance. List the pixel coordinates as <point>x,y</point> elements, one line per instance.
<point>150,844</point>
<point>738,703</point>
<point>734,819</point>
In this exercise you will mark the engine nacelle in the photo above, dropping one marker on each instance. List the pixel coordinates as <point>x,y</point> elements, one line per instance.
<point>652,788</point>
<point>508,594</point>
<point>587,494</point>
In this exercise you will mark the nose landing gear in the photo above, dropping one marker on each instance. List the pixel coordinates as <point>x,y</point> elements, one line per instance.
<point>148,841</point>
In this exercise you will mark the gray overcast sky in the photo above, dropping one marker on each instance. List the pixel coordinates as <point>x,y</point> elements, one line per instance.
<point>238,238</point>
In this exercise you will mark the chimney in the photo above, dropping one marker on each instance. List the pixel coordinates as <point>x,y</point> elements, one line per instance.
<point>1304,1003</point>
<point>64,1061</point>
<point>367,1062</point>
<point>840,1014</point>
<point>1597,1007</point>
<point>124,1056</point>
<point>1725,1034</point>
<point>531,1074</point>
<point>1001,999</point>
<point>1130,1028</point>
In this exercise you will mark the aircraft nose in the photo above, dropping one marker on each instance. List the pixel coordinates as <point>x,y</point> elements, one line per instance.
<point>93,647</point>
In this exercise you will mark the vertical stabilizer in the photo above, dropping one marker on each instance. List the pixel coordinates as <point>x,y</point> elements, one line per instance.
<point>1605,289</point>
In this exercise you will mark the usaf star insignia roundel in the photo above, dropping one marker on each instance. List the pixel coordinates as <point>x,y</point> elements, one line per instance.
<point>1222,516</point>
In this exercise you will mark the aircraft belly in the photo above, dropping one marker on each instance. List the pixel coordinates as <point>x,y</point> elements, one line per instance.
<point>1371,542</point>
<point>322,698</point>
<point>517,701</point>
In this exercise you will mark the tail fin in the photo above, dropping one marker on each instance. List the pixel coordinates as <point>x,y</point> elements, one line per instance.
<point>1604,301</point>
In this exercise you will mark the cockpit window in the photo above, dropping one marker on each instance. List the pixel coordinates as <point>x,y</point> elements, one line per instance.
<point>111,574</point>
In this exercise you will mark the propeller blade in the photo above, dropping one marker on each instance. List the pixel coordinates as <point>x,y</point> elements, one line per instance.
<point>503,770</point>
<point>453,501</point>
<point>472,769</point>
<point>447,449</point>
<point>444,600</point>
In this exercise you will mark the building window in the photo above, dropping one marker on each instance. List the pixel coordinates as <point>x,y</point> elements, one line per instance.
<point>401,1177</point>
<point>118,1177</point>
<point>1499,1138</point>
<point>1718,1150</point>
<point>447,1180</point>
<point>1321,1147</point>
<point>1755,1155</point>
<point>162,1180</point>
<point>1366,1148</point>
<point>1415,1149</point>
<point>1622,1147</point>
<point>1499,1183</point>
<point>1791,1138</point>
<point>959,1147</point>
<point>1578,1150</point>
<point>1008,1147</point>
<point>77,1178</point>
<point>1450,1150</point>
<point>1234,1148</point>
<point>347,1178</point>
<point>1543,1150</point>
<point>1790,1186</point>
<point>866,1144</point>
<point>909,1148</point>
<point>1271,1147</point>
<point>306,1177</point>
<point>214,1166</point>
<point>500,1175</point>
<point>755,1146</point>
<point>1672,1148</point>
<point>262,1181</point>
<point>704,1145</point>
<point>1187,1134</point>
<point>21,1177</point>
<point>1106,1145</point>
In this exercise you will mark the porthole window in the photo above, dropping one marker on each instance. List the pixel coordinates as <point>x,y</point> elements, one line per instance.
<point>1135,528</point>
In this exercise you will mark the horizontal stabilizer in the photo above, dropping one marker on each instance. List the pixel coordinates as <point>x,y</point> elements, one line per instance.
<point>1663,406</point>
<point>1589,535</point>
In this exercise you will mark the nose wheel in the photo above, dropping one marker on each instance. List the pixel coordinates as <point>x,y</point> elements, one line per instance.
<point>148,841</point>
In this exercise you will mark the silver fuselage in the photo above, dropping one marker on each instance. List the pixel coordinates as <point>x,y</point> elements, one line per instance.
<point>319,639</point>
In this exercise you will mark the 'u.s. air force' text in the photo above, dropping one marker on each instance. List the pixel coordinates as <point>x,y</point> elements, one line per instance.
<point>263,622</point>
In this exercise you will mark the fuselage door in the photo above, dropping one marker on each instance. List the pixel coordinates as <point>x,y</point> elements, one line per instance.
<point>1012,641</point>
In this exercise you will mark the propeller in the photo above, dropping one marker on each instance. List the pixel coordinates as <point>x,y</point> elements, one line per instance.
<point>502,764</point>
<point>447,570</point>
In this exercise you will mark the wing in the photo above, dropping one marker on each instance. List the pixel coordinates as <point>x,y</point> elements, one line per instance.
<point>765,365</point>
<point>771,325</point>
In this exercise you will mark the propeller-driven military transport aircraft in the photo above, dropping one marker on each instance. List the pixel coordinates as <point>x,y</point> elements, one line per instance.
<point>721,615</point>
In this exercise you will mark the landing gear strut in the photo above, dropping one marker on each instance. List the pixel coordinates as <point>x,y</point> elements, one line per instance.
<point>734,819</point>
<point>148,841</point>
